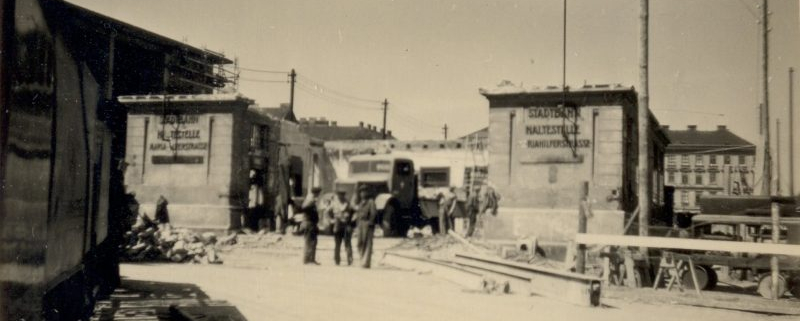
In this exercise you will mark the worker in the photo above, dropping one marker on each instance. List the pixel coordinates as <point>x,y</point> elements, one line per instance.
<point>447,204</point>
<point>281,213</point>
<point>471,207</point>
<point>341,213</point>
<point>310,228</point>
<point>162,214</point>
<point>366,216</point>
<point>488,200</point>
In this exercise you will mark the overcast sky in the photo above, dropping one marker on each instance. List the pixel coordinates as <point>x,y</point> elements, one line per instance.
<point>429,58</point>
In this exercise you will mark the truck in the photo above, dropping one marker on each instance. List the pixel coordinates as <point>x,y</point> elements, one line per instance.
<point>393,181</point>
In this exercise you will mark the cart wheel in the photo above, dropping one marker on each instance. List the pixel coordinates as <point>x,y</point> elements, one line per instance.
<point>703,278</point>
<point>765,285</point>
<point>794,285</point>
<point>713,278</point>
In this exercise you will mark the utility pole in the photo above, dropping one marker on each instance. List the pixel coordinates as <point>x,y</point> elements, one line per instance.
<point>385,107</point>
<point>791,132</point>
<point>766,187</point>
<point>778,157</point>
<point>444,129</point>
<point>293,78</point>
<point>643,170</point>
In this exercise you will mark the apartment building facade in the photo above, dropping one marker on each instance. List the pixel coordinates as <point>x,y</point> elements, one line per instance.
<point>707,162</point>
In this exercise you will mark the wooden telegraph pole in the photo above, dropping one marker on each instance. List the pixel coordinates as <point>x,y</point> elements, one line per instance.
<point>766,185</point>
<point>643,170</point>
<point>385,107</point>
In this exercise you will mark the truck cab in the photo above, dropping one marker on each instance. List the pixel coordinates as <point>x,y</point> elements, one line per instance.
<point>392,180</point>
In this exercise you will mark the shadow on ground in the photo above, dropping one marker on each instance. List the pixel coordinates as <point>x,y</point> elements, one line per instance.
<point>150,301</point>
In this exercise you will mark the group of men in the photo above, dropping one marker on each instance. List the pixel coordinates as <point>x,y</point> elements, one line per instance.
<point>357,216</point>
<point>479,201</point>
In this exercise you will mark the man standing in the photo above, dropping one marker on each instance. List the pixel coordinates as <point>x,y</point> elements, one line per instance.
<point>162,214</point>
<point>447,206</point>
<point>310,228</point>
<point>366,216</point>
<point>342,214</point>
<point>472,210</point>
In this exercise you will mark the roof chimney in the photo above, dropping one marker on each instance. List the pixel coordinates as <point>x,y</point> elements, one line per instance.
<point>692,127</point>
<point>665,127</point>
<point>388,133</point>
<point>361,124</point>
<point>334,123</point>
<point>721,127</point>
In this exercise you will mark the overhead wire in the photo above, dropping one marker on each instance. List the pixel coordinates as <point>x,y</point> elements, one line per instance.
<point>333,100</point>
<point>322,88</point>
<point>263,71</point>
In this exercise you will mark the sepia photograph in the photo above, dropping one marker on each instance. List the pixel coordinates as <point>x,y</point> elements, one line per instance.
<point>416,160</point>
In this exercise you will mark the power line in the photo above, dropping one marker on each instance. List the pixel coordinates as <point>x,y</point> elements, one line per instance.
<point>332,100</point>
<point>263,80</point>
<point>264,71</point>
<point>326,89</point>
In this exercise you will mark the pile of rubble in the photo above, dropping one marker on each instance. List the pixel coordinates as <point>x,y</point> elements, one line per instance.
<point>147,241</point>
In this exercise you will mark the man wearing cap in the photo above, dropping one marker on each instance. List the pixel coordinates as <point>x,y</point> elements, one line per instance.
<point>310,228</point>
<point>342,214</point>
<point>366,215</point>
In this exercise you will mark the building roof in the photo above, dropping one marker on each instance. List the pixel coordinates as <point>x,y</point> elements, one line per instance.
<point>694,139</point>
<point>482,133</point>
<point>330,131</point>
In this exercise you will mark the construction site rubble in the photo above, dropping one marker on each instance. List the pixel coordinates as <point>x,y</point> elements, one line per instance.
<point>147,241</point>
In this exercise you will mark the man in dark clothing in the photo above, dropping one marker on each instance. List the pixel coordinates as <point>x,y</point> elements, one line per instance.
<point>471,207</point>
<point>310,228</point>
<point>366,216</point>
<point>342,214</point>
<point>162,214</point>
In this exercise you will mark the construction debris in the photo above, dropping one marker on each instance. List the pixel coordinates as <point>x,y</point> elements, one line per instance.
<point>147,241</point>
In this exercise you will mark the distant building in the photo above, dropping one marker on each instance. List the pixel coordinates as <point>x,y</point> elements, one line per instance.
<point>707,162</point>
<point>478,139</point>
<point>326,130</point>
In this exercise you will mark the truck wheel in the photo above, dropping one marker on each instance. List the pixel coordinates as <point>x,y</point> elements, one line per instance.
<point>765,285</point>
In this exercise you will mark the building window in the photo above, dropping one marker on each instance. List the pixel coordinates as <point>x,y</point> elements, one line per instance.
<point>697,198</point>
<point>671,177</point>
<point>698,179</point>
<point>741,160</point>
<point>727,159</point>
<point>698,160</point>
<point>685,179</point>
<point>685,198</point>
<point>712,159</point>
<point>685,160</point>
<point>712,178</point>
<point>481,173</point>
<point>435,177</point>
<point>671,159</point>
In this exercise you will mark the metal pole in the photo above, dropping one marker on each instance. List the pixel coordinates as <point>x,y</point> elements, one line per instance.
<point>773,263</point>
<point>766,187</point>
<point>643,171</point>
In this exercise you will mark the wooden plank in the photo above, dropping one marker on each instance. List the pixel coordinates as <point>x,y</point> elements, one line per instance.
<point>742,219</point>
<point>452,273</point>
<point>689,244</point>
<point>578,289</point>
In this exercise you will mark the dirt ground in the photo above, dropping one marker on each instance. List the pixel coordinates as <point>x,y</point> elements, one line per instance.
<point>267,282</point>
